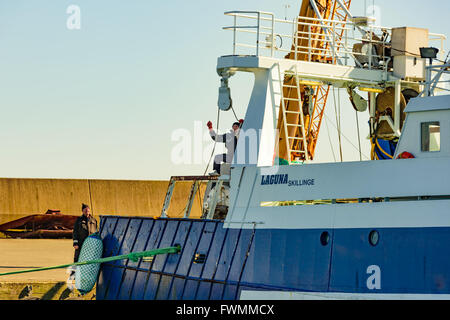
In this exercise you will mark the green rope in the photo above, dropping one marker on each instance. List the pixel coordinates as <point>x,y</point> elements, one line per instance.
<point>133,256</point>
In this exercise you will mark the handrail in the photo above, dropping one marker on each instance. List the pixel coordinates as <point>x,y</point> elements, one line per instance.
<point>431,82</point>
<point>314,35</point>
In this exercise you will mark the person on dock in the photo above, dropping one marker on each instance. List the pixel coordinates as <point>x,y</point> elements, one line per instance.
<point>84,226</point>
<point>230,140</point>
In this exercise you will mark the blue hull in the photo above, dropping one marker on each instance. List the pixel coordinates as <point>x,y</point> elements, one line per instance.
<point>410,260</point>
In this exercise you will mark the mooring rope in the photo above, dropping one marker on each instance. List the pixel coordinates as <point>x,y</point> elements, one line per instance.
<point>133,256</point>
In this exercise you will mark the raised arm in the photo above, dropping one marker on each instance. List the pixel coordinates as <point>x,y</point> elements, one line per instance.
<point>216,137</point>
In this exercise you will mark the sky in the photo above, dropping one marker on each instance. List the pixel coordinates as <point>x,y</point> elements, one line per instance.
<point>109,100</point>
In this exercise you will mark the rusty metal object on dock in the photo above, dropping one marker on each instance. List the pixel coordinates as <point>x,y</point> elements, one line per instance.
<point>52,224</point>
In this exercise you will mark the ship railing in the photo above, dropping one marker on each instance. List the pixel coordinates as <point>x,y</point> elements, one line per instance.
<point>440,38</point>
<point>437,79</point>
<point>195,188</point>
<point>314,40</point>
<point>258,29</point>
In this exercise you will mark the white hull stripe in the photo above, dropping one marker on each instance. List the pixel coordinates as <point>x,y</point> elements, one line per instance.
<point>411,214</point>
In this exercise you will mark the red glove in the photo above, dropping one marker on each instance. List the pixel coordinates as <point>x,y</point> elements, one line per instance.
<point>209,124</point>
<point>241,121</point>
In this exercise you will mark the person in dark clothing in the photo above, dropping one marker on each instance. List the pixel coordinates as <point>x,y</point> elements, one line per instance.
<point>84,226</point>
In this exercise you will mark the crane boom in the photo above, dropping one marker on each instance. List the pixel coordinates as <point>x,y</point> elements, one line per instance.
<point>310,34</point>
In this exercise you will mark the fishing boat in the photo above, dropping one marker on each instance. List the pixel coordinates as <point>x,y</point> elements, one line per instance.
<point>278,225</point>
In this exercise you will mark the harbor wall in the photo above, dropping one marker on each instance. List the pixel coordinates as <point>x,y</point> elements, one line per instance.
<point>20,197</point>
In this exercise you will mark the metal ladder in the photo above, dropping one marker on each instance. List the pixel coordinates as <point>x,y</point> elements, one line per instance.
<point>301,126</point>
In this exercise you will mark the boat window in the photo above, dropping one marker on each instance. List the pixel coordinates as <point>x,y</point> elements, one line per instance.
<point>324,238</point>
<point>374,237</point>
<point>431,136</point>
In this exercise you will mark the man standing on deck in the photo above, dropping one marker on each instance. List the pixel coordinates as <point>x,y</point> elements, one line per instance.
<point>84,226</point>
<point>230,140</point>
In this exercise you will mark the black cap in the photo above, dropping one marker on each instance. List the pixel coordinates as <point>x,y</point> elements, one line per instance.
<point>84,206</point>
<point>236,124</point>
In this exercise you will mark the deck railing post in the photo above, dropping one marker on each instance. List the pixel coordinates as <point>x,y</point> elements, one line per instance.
<point>257,33</point>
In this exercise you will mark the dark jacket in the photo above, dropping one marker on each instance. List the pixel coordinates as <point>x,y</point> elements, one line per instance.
<point>83,227</point>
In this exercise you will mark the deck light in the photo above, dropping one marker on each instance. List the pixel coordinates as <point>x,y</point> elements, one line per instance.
<point>429,53</point>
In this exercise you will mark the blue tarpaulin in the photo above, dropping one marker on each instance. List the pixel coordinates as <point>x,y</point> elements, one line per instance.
<point>383,149</point>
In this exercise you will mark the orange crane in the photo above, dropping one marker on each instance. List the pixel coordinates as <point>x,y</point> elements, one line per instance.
<point>313,97</point>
